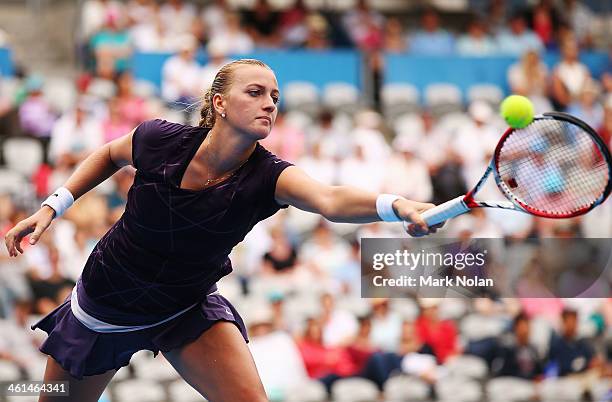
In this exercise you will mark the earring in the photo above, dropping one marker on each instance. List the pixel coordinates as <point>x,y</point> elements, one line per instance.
<point>223,115</point>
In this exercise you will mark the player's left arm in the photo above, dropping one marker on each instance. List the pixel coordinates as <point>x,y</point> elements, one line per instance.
<point>341,203</point>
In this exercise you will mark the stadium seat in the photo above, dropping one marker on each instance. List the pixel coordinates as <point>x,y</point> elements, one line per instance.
<point>9,371</point>
<point>453,308</point>
<point>341,97</point>
<point>443,98</point>
<point>299,119</point>
<point>354,390</point>
<point>475,326</point>
<point>102,89</point>
<point>510,389</point>
<point>311,391</point>
<point>139,391</point>
<point>458,390</point>
<point>490,93</point>
<point>11,182</point>
<point>561,389</point>
<point>451,122</point>
<point>60,93</point>
<point>467,366</point>
<point>406,389</point>
<point>23,155</point>
<point>301,95</point>
<point>180,391</point>
<point>398,99</point>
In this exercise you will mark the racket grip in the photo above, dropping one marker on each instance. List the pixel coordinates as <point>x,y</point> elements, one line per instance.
<point>445,211</point>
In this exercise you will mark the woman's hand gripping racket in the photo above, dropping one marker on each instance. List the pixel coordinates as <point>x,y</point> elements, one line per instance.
<point>556,167</point>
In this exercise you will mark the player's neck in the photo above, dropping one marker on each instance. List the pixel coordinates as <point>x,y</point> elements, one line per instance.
<point>224,149</point>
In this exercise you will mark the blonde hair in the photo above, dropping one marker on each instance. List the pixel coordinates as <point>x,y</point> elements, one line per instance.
<point>221,85</point>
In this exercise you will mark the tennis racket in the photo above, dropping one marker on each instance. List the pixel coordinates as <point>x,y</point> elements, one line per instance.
<point>556,167</point>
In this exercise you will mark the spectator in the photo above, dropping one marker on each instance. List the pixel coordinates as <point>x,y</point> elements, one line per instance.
<point>141,11</point>
<point>514,355</point>
<point>279,376</point>
<point>431,39</point>
<point>339,326</point>
<point>293,27</point>
<point>36,116</point>
<point>587,107</point>
<point>74,136</point>
<point>476,42</point>
<point>217,58</point>
<point>364,26</point>
<point>359,171</point>
<point>262,23</point>
<point>497,15</point>
<point>545,22</point>
<point>394,40</point>
<point>152,35</point>
<point>317,32</point>
<point>285,140</point>
<point>214,17</point>
<point>18,343</point>
<point>51,290</point>
<point>181,79</point>
<point>606,76</point>
<point>475,141</point>
<point>569,75</point>
<point>112,45</point>
<point>282,256</point>
<point>317,165</point>
<point>323,363</point>
<point>417,359</point>
<point>529,77</point>
<point>605,131</point>
<point>518,39</point>
<point>386,326</point>
<point>335,143</point>
<point>132,107</point>
<point>580,18</point>
<point>402,164</point>
<point>115,125</point>
<point>117,199</point>
<point>95,14</point>
<point>179,17</point>
<point>569,354</point>
<point>234,39</point>
<point>439,335</point>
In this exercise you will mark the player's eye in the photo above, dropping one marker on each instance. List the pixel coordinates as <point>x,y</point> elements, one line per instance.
<point>254,93</point>
<point>275,99</point>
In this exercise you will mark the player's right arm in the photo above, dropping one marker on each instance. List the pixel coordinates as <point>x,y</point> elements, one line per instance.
<point>97,167</point>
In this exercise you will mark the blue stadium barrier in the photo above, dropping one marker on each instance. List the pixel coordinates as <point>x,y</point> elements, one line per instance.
<point>6,62</point>
<point>318,67</point>
<point>464,72</point>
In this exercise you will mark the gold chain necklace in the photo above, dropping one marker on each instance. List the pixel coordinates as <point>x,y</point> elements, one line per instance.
<point>210,181</point>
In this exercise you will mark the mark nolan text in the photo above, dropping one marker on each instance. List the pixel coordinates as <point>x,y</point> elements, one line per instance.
<point>409,281</point>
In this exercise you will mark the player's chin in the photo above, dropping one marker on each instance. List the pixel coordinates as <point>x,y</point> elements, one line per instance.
<point>260,131</point>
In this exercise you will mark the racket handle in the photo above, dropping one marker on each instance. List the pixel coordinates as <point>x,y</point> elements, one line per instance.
<point>445,211</point>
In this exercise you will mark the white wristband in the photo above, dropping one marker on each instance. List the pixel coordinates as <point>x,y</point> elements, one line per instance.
<point>384,207</point>
<point>60,201</point>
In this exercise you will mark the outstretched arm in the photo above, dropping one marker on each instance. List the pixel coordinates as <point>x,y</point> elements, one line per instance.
<point>343,203</point>
<point>96,168</point>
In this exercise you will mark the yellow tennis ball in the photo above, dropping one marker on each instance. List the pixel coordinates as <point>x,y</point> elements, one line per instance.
<point>517,111</point>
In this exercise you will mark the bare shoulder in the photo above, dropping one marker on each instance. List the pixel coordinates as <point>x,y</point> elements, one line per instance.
<point>120,150</point>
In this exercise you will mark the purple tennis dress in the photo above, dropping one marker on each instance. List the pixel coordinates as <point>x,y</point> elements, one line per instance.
<point>161,260</point>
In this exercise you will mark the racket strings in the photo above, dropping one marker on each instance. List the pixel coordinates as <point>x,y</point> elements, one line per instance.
<point>553,167</point>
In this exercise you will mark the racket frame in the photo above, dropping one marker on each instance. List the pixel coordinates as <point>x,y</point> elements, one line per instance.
<point>465,203</point>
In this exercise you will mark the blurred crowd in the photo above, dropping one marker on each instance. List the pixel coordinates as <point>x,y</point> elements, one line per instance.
<point>298,278</point>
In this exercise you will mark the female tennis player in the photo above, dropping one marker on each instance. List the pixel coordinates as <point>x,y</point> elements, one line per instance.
<point>150,281</point>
